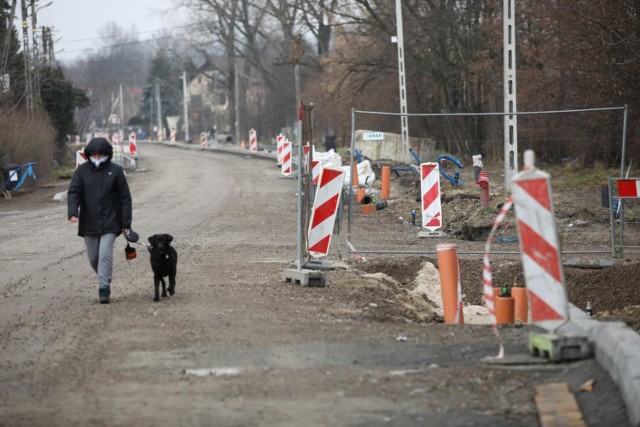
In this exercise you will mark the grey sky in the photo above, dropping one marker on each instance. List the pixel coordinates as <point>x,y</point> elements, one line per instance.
<point>77,21</point>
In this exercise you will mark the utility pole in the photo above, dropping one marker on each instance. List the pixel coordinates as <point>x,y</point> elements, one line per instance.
<point>159,106</point>
<point>7,39</point>
<point>236,84</point>
<point>121,109</point>
<point>404,120</point>
<point>25,53</point>
<point>509,83</point>
<point>185,105</point>
<point>36,65</point>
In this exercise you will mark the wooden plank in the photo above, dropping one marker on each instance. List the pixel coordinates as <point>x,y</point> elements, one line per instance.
<point>557,406</point>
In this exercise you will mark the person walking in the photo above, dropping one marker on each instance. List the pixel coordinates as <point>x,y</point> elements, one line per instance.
<point>99,200</point>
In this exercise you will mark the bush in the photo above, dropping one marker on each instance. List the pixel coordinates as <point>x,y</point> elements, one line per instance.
<point>27,139</point>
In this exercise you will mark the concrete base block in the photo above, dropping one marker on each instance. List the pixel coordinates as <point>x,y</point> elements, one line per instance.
<point>431,234</point>
<point>559,348</point>
<point>311,278</point>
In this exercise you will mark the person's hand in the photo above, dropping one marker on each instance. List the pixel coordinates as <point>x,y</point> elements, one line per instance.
<point>125,231</point>
<point>73,219</point>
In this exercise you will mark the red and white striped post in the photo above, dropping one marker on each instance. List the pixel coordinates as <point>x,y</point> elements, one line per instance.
<point>306,154</point>
<point>629,188</point>
<point>279,141</point>
<point>253,141</point>
<point>316,168</point>
<point>80,158</point>
<point>203,140</point>
<point>430,186</point>
<point>172,136</point>
<point>323,213</point>
<point>133,145</point>
<point>286,158</point>
<point>540,245</point>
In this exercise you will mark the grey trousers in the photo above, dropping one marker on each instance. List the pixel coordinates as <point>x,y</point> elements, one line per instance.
<point>100,253</point>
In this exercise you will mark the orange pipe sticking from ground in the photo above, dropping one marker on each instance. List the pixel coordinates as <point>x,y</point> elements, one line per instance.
<point>521,313</point>
<point>360,193</point>
<point>354,170</point>
<point>386,181</point>
<point>449,274</point>
<point>505,310</point>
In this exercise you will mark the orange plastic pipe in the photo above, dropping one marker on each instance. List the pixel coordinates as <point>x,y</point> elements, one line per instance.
<point>505,310</point>
<point>386,181</point>
<point>448,270</point>
<point>521,313</point>
<point>360,193</point>
<point>354,170</point>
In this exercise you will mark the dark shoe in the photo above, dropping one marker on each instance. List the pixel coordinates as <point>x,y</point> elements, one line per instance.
<point>103,296</point>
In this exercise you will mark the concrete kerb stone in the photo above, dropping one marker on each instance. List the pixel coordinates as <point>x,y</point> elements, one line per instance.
<point>617,350</point>
<point>270,155</point>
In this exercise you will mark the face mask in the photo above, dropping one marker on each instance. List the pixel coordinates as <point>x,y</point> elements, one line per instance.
<point>98,162</point>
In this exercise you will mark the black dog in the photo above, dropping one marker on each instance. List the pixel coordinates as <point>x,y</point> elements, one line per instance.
<point>164,261</point>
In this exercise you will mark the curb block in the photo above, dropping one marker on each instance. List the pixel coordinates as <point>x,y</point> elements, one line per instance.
<point>617,350</point>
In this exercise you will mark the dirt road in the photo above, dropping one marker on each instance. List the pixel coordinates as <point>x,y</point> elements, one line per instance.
<point>237,346</point>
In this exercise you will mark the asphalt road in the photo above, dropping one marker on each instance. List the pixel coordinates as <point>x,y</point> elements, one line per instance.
<point>237,345</point>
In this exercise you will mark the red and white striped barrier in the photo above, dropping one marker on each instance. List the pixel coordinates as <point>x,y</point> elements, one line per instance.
<point>430,186</point>
<point>323,213</point>
<point>133,145</point>
<point>253,141</point>
<point>279,141</point>
<point>203,140</point>
<point>80,158</point>
<point>629,188</point>
<point>316,168</point>
<point>160,135</point>
<point>540,246</point>
<point>306,154</point>
<point>172,136</point>
<point>286,158</point>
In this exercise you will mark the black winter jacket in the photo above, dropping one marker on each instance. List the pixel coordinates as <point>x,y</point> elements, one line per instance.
<point>99,197</point>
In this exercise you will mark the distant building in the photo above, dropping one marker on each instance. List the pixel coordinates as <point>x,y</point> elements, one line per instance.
<point>208,103</point>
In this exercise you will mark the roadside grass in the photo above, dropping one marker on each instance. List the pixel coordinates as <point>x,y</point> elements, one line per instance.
<point>564,178</point>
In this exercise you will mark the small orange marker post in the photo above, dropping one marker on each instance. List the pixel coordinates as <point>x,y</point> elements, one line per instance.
<point>449,283</point>
<point>385,177</point>
<point>354,170</point>
<point>360,193</point>
<point>521,313</point>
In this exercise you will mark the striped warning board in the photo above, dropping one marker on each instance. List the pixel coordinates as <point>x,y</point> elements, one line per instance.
<point>306,154</point>
<point>323,213</point>
<point>80,158</point>
<point>431,207</point>
<point>540,246</point>
<point>316,168</point>
<point>133,145</point>
<point>253,141</point>
<point>203,140</point>
<point>279,141</point>
<point>286,158</point>
<point>629,188</point>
